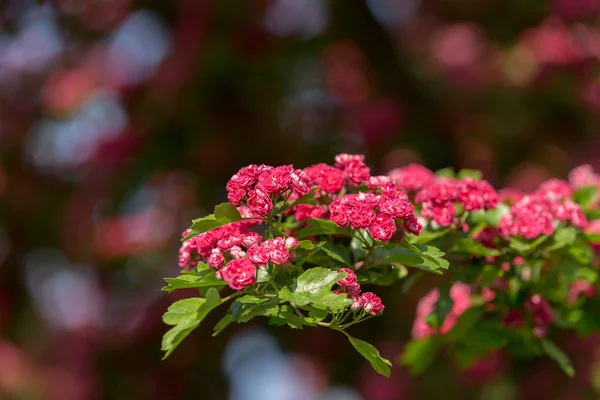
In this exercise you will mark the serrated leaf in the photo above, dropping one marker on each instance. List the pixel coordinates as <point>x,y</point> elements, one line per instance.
<point>191,281</point>
<point>380,365</point>
<point>314,287</point>
<point>224,214</point>
<point>427,258</point>
<point>555,353</point>
<point>418,355</point>
<point>247,307</point>
<point>186,315</point>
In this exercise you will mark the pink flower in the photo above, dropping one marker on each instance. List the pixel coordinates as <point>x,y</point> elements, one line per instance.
<point>555,190</point>
<point>476,195</point>
<point>276,180</point>
<point>342,160</point>
<point>383,228</point>
<point>372,303</point>
<point>361,217</point>
<point>216,259</point>
<point>300,183</point>
<point>510,196</point>
<point>412,177</point>
<point>250,239</point>
<point>349,280</point>
<point>540,309</point>
<point>237,252</point>
<point>460,293</point>
<point>358,302</point>
<point>328,178</point>
<point>236,196</point>
<point>259,202</point>
<point>375,182</point>
<point>357,172</point>
<point>291,242</point>
<point>239,273</point>
<point>279,254</point>
<point>513,319</point>
<point>308,211</point>
<point>583,176</point>
<point>412,225</point>
<point>228,242</point>
<point>258,255</point>
<point>397,207</point>
<point>578,288</point>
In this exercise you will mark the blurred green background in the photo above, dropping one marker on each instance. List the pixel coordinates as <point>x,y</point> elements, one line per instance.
<point>121,120</point>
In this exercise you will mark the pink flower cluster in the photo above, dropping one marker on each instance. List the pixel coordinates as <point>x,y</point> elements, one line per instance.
<point>460,293</point>
<point>349,168</point>
<point>368,301</point>
<point>235,252</point>
<point>412,177</point>
<point>258,185</point>
<point>541,314</point>
<point>537,214</point>
<point>579,288</point>
<point>376,213</point>
<point>439,199</point>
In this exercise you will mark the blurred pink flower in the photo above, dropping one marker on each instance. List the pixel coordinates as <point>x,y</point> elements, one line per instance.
<point>460,293</point>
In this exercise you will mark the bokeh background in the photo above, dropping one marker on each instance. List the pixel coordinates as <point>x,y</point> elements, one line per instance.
<point>121,120</point>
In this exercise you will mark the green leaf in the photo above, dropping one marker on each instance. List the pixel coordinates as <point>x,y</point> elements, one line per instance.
<point>427,236</point>
<point>581,251</point>
<point>337,252</point>
<point>472,247</point>
<point>490,217</point>
<point>469,173</point>
<point>465,323</point>
<point>186,315</point>
<point>419,354</point>
<point>286,315</point>
<point>593,237</point>
<point>247,307</point>
<point>306,245</point>
<point>559,356</point>
<point>368,351</point>
<point>564,236</point>
<point>322,227</point>
<point>222,324</point>
<point>191,281</point>
<point>224,214</point>
<point>314,287</point>
<point>441,309</point>
<point>383,276</point>
<point>445,173</point>
<point>521,246</point>
<point>425,257</point>
<point>479,341</point>
<point>586,196</point>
